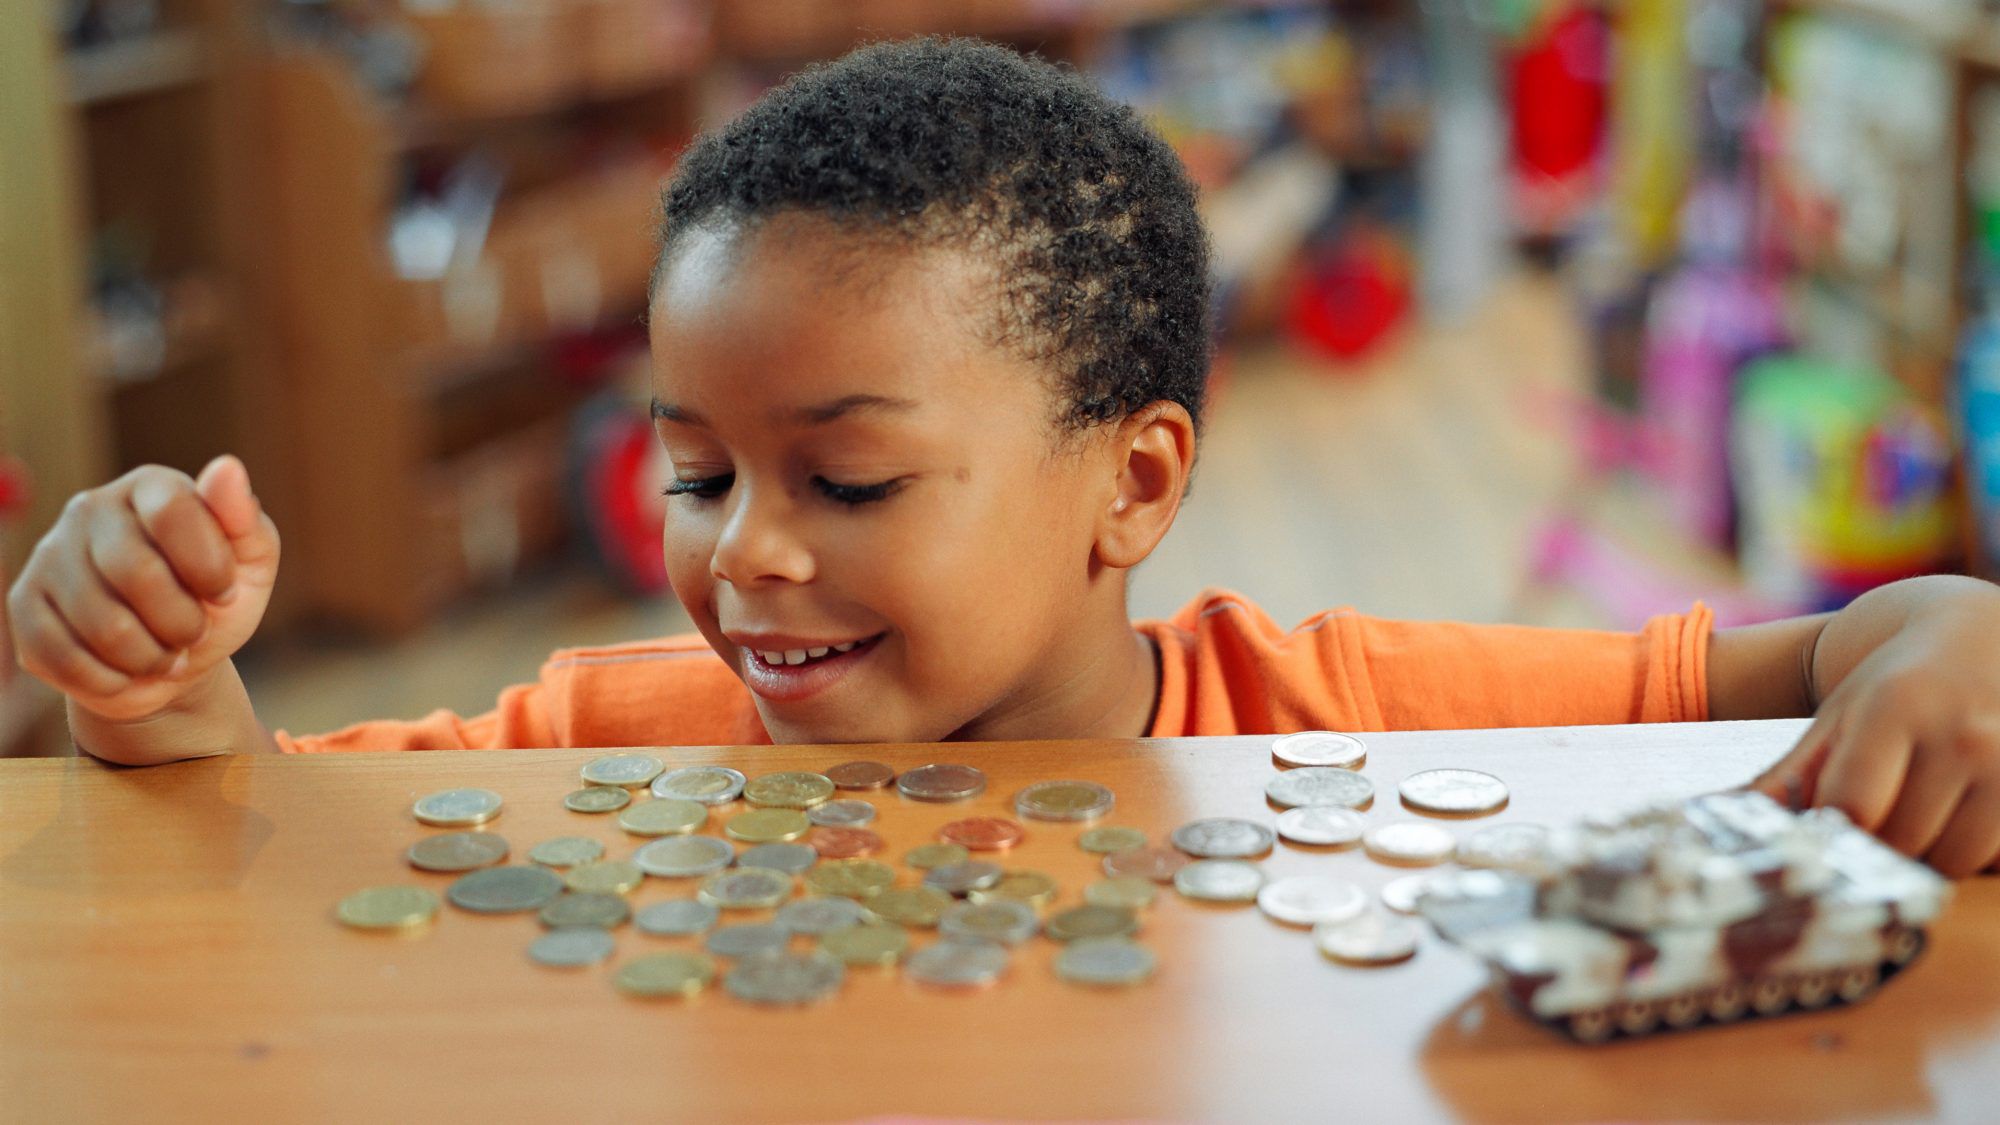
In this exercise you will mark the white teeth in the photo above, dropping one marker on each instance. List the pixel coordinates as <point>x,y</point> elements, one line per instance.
<point>795,656</point>
<point>848,647</point>
<point>816,653</point>
<point>771,657</point>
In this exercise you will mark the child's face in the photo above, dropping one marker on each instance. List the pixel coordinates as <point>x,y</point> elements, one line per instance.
<point>854,465</point>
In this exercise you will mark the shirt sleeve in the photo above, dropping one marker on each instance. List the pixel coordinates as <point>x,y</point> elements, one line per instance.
<point>525,717</point>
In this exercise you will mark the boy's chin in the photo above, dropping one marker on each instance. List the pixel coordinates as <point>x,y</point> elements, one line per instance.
<point>857,728</point>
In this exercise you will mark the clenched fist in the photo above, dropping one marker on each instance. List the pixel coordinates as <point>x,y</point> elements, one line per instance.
<point>143,586</point>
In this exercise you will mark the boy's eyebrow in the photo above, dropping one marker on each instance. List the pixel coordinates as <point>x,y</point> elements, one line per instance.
<point>806,415</point>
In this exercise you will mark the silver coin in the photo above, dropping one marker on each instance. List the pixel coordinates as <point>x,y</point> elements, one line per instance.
<point>628,771</point>
<point>677,918</point>
<point>941,782</point>
<point>1105,961</point>
<point>750,937</point>
<point>818,915</point>
<point>957,963</point>
<point>1321,825</point>
<point>505,890</point>
<point>1503,845</point>
<point>1409,842</point>
<point>573,947</point>
<point>708,785</point>
<point>963,878</point>
<point>1453,791</point>
<point>1319,785</point>
<point>1306,900</point>
<point>789,858</point>
<point>457,851</point>
<point>1401,894</point>
<point>457,808</point>
<point>683,857</point>
<point>1319,748</point>
<point>1369,938</point>
<point>1219,880</point>
<point>597,909</point>
<point>566,851</point>
<point>845,813</point>
<point>597,799</point>
<point>1007,921</point>
<point>1223,838</point>
<point>746,888</point>
<point>781,977</point>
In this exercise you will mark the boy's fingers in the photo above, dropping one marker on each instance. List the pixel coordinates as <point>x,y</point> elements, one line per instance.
<point>189,536</point>
<point>107,627</point>
<point>1789,780</point>
<point>51,651</point>
<point>1865,768</point>
<point>224,486</point>
<point>1931,792</point>
<point>133,566</point>
<point>1972,840</point>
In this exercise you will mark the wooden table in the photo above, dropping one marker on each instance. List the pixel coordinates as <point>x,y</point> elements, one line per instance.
<point>167,950</point>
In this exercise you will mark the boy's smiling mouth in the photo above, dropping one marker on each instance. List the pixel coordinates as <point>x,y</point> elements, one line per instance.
<point>785,669</point>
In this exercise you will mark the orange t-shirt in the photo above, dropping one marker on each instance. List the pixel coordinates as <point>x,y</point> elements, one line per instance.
<point>1225,668</point>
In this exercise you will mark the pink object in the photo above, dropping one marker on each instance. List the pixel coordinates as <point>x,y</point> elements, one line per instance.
<point>1631,589</point>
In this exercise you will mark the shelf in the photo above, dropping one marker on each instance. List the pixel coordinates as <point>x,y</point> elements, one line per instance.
<point>196,327</point>
<point>166,60</point>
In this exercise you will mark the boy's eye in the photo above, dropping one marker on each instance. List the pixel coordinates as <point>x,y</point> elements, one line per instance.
<point>857,494</point>
<point>702,488</point>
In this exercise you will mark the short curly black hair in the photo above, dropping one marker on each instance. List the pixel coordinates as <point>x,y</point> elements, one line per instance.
<point>1086,216</point>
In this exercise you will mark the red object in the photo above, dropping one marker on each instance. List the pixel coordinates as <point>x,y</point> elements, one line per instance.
<point>14,490</point>
<point>615,489</point>
<point>1559,89</point>
<point>1349,301</point>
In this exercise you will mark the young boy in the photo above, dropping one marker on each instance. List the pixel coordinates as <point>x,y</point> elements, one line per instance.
<point>929,341</point>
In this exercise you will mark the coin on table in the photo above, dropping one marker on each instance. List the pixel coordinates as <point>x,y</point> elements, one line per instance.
<point>818,915</point>
<point>1219,880</point>
<point>1370,938</point>
<point>665,974</point>
<point>746,938</point>
<point>1105,961</point>
<point>607,876</point>
<point>663,816</point>
<point>387,908</point>
<point>788,789</point>
<point>846,813</point>
<point>1223,838</point>
<point>963,878</point>
<point>1411,842</point>
<point>767,826</point>
<point>870,943</point>
<point>982,833</point>
<point>1132,892</point>
<point>920,907</point>
<point>861,775</point>
<point>1503,845</point>
<point>1007,922</point>
<point>781,977</point>
<point>586,908</point>
<point>1031,887</point>
<point>1401,894</point>
<point>627,771</point>
<point>1111,838</point>
<point>792,859</point>
<point>676,918</point>
<point>850,878</point>
<point>1063,801</point>
<point>573,947</point>
<point>843,843</point>
<point>597,799</point>
<point>957,963</point>
<point>923,857</point>
<point>746,888</point>
<point>1307,900</point>
<point>1453,791</point>
<point>683,857</point>
<point>566,851</point>
<point>1157,864</point>
<point>1090,922</point>
<point>1321,825</point>
<point>708,785</point>
<point>941,781</point>
<point>1319,785</point>
<point>457,808</point>
<point>1319,748</point>
<point>504,890</point>
<point>457,851</point>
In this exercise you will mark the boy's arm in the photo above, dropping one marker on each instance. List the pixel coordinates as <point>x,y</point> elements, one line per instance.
<point>213,717</point>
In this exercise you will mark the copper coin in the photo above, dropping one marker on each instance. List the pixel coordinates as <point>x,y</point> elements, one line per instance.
<point>941,782</point>
<point>1157,864</point>
<point>982,833</point>
<point>844,843</point>
<point>861,775</point>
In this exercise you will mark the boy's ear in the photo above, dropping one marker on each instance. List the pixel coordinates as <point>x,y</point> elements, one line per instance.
<point>1152,455</point>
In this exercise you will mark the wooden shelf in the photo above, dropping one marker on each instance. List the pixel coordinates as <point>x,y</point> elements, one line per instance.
<point>166,60</point>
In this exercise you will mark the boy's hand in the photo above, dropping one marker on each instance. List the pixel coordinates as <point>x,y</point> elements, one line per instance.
<point>144,586</point>
<point>1908,743</point>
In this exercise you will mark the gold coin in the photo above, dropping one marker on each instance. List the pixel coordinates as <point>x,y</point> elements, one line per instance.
<point>457,808</point>
<point>586,908</point>
<point>663,816</point>
<point>871,943</point>
<point>1031,887</point>
<point>566,851</point>
<point>628,771</point>
<point>665,974</point>
<point>850,878</point>
<point>926,856</point>
<point>597,799</point>
<point>457,851</point>
<point>746,888</point>
<point>1063,800</point>
<point>1091,922</point>
<point>607,876</point>
<point>387,908</point>
<point>767,826</point>
<point>793,789</point>
<point>1130,892</point>
<point>910,906</point>
<point>1111,838</point>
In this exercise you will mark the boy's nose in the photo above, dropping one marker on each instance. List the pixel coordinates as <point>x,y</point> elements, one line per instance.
<point>757,543</point>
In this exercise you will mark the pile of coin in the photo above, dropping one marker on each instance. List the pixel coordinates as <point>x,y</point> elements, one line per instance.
<point>799,834</point>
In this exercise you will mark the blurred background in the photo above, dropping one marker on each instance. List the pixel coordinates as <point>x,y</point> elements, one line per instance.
<point>1563,312</point>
